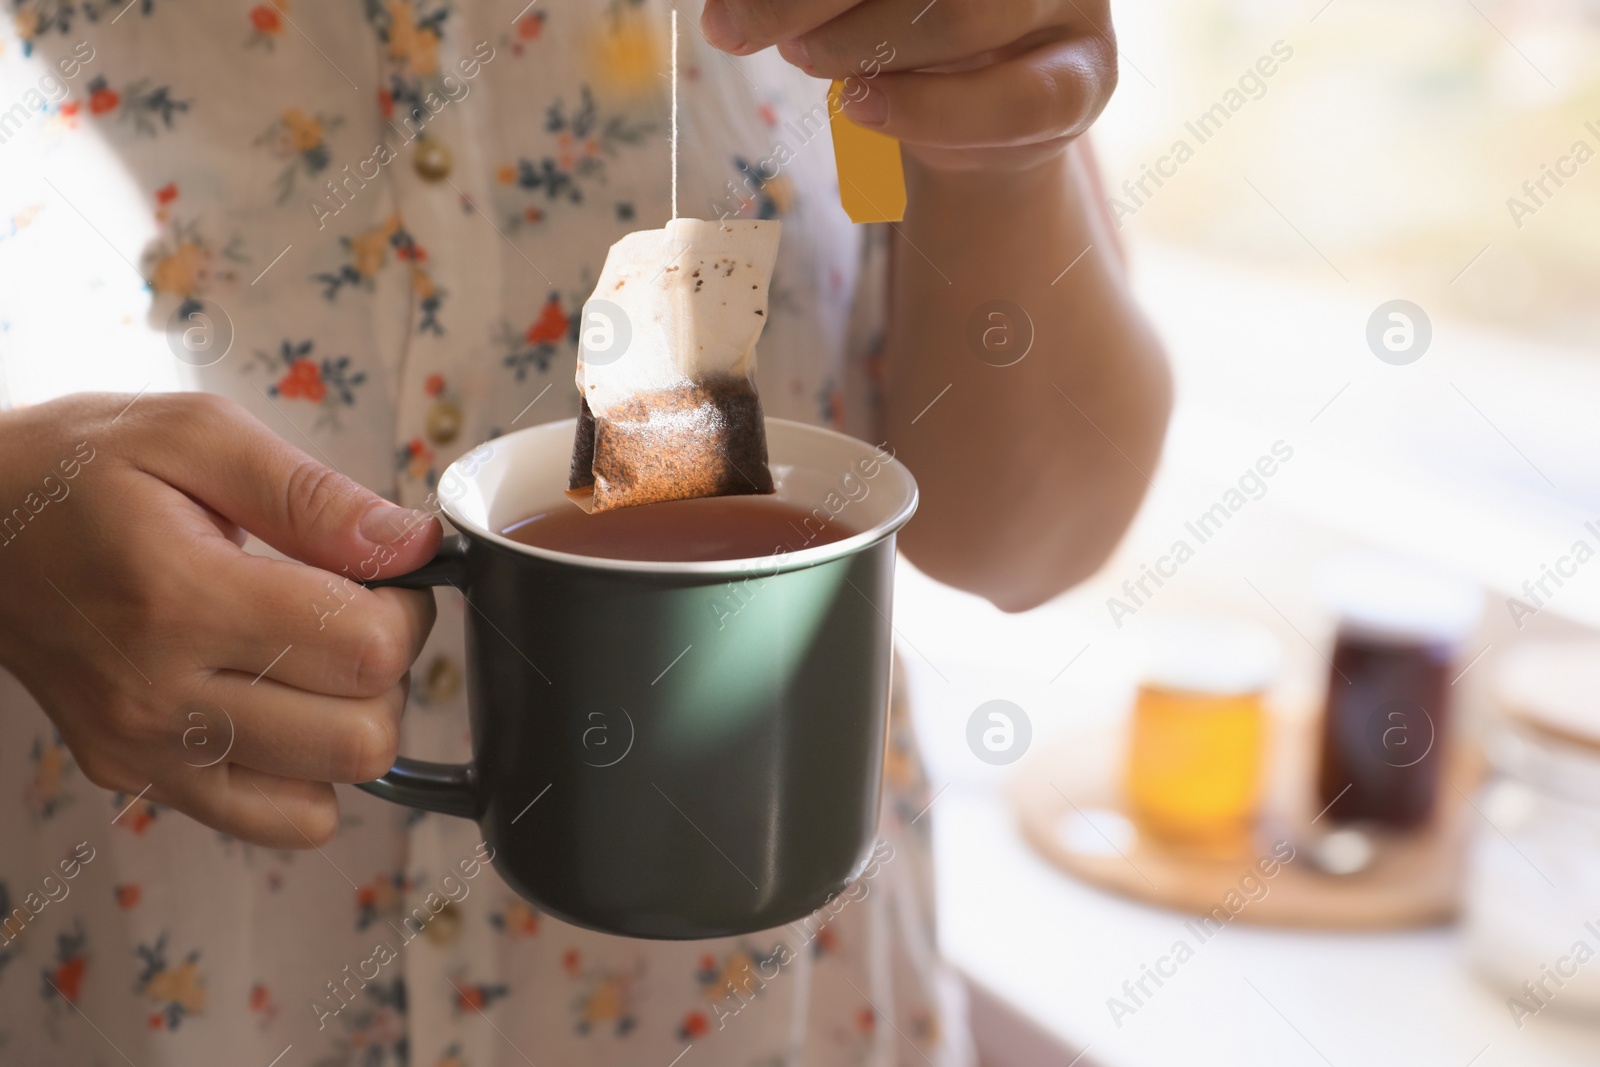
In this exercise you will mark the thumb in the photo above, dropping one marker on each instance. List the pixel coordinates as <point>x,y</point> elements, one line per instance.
<point>217,452</point>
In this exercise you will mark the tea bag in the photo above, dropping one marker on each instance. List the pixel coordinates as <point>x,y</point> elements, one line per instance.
<point>666,366</point>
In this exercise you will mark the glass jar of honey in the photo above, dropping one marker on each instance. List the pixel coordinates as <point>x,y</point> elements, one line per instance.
<point>1193,774</point>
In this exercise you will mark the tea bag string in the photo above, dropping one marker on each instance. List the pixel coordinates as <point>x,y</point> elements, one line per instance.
<point>674,112</point>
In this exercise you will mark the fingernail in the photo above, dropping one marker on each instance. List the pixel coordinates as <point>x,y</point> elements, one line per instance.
<point>796,52</point>
<point>384,524</point>
<point>720,29</point>
<point>870,110</point>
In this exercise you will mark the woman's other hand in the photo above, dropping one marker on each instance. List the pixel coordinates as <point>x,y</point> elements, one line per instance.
<point>134,617</point>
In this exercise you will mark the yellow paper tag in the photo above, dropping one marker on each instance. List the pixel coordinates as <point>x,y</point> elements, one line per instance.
<point>872,179</point>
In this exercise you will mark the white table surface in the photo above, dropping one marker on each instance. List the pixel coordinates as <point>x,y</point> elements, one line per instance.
<point>1057,949</point>
<point>1399,461</point>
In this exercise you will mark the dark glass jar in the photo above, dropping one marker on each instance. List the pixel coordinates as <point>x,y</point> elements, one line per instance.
<point>1386,720</point>
<point>1383,729</point>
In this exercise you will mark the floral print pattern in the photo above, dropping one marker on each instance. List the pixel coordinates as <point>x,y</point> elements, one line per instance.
<point>35,19</point>
<point>52,762</point>
<point>388,330</point>
<point>607,996</point>
<point>368,252</point>
<point>554,331</point>
<point>185,263</point>
<point>410,34</point>
<point>134,814</point>
<point>327,381</point>
<point>585,141</point>
<point>176,990</point>
<point>302,140</point>
<point>266,24</point>
<point>517,919</point>
<point>65,978</point>
<point>149,108</point>
<point>374,1032</point>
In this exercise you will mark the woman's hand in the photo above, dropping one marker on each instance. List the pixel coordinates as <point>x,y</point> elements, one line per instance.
<point>966,85</point>
<point>1003,207</point>
<point>155,643</point>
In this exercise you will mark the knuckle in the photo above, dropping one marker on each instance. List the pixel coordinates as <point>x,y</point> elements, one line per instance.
<point>366,746</point>
<point>1113,77</point>
<point>1103,65</point>
<point>152,611</point>
<point>963,22</point>
<point>136,724</point>
<point>212,407</point>
<point>322,823</point>
<point>1085,84</point>
<point>834,49</point>
<point>313,492</point>
<point>382,659</point>
<point>207,411</point>
<point>143,608</point>
<point>761,20</point>
<point>1111,74</point>
<point>1054,103</point>
<point>172,426</point>
<point>425,618</point>
<point>313,819</point>
<point>145,726</point>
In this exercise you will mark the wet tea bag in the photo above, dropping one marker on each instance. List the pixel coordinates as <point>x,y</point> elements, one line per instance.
<point>666,366</point>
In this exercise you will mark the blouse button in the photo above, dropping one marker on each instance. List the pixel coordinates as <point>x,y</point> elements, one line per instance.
<point>431,160</point>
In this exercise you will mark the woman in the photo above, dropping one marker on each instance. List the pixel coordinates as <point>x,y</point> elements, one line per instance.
<point>316,252</point>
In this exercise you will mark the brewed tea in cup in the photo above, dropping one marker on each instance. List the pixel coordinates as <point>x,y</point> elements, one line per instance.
<point>665,743</point>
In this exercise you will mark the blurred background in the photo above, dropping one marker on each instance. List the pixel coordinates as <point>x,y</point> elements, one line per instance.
<point>1444,153</point>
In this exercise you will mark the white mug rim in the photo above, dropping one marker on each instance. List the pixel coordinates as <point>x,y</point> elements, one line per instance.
<point>787,561</point>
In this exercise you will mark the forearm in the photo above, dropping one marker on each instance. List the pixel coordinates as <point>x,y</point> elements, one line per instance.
<point>1029,473</point>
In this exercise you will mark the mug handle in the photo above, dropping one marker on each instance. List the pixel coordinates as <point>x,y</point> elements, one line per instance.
<point>447,788</point>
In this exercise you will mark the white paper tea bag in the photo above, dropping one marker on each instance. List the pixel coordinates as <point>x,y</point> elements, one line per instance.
<point>666,366</point>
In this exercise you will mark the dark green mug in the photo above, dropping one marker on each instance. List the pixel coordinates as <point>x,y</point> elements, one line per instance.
<point>670,750</point>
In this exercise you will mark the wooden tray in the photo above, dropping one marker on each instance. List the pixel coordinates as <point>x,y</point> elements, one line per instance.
<point>1071,808</point>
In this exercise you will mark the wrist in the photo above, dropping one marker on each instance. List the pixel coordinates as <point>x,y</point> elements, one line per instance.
<point>934,190</point>
<point>992,160</point>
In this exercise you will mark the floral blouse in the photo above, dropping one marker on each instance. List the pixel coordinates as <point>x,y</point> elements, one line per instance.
<point>373,224</point>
